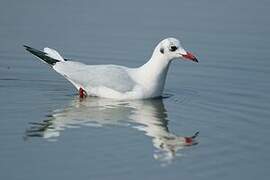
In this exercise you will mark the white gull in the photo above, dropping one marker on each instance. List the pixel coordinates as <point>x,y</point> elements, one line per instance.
<point>118,82</point>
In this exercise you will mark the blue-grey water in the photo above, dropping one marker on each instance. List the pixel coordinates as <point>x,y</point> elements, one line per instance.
<point>46,132</point>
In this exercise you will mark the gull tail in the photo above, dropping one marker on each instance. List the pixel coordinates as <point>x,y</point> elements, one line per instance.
<point>50,56</point>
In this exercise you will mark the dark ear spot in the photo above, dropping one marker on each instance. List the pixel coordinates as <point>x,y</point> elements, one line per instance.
<point>161,50</point>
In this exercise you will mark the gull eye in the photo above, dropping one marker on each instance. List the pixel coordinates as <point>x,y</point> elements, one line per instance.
<point>173,48</point>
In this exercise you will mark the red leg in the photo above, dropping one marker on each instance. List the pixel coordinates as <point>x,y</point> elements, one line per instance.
<point>82,93</point>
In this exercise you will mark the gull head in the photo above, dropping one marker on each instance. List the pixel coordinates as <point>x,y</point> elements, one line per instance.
<point>171,48</point>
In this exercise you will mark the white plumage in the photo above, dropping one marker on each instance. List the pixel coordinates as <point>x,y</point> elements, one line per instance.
<point>119,82</point>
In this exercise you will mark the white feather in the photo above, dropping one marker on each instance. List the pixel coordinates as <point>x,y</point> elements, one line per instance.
<point>53,54</point>
<point>119,82</point>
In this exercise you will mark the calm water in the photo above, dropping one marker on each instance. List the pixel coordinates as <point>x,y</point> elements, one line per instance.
<point>46,132</point>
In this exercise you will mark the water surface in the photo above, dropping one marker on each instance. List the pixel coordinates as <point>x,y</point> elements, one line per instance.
<point>47,132</point>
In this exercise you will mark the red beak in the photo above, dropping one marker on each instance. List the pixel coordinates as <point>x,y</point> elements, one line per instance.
<point>191,57</point>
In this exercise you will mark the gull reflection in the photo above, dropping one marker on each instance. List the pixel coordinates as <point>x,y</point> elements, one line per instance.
<point>148,116</point>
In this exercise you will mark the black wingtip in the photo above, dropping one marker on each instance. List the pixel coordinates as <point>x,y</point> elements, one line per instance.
<point>42,55</point>
<point>26,47</point>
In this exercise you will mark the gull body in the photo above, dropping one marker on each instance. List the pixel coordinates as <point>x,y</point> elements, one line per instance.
<point>119,82</point>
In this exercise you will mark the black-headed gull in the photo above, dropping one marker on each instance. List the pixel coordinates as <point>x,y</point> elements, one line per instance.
<point>118,82</point>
